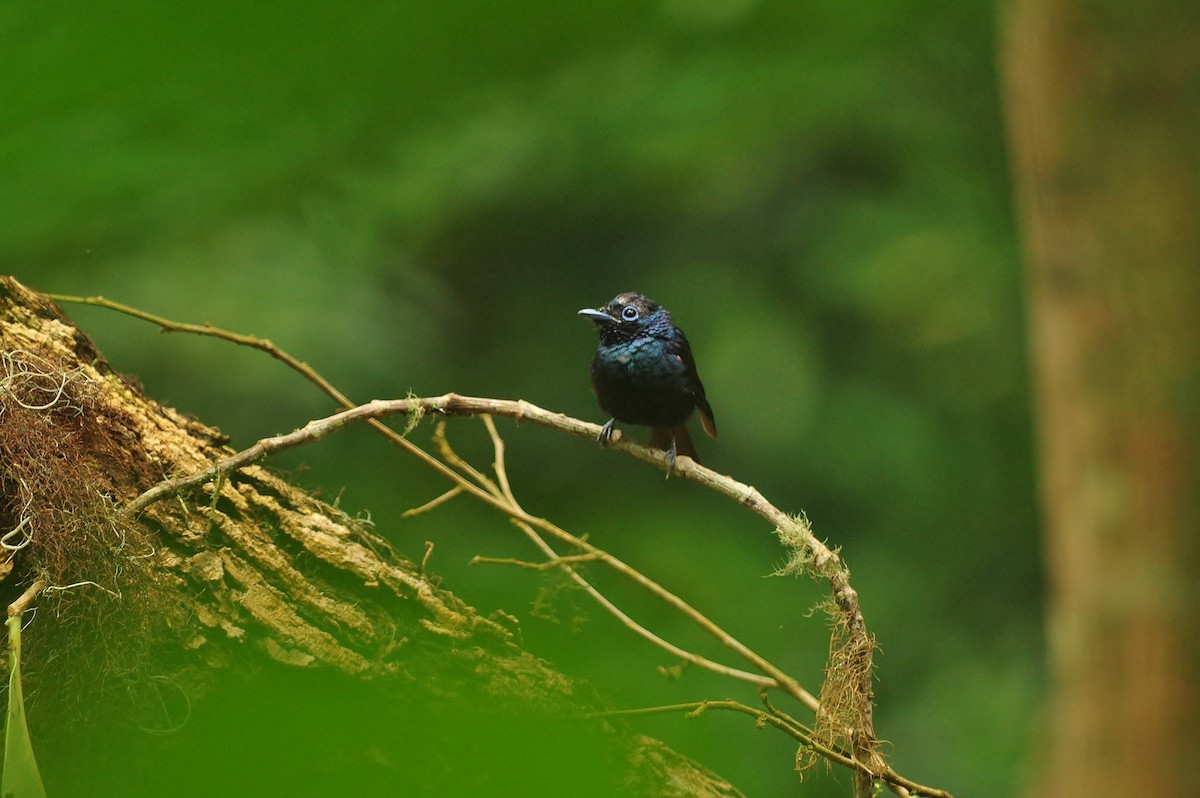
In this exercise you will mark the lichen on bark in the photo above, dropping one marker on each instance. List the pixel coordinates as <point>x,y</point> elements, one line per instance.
<point>243,571</point>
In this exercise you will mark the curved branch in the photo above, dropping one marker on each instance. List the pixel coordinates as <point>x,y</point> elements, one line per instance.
<point>823,560</point>
<point>847,712</point>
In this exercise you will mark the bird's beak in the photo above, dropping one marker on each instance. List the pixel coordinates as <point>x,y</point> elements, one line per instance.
<point>598,316</point>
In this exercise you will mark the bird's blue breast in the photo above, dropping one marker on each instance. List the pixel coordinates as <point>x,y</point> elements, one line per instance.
<point>643,381</point>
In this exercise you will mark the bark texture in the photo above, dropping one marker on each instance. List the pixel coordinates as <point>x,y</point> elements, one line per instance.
<point>246,569</point>
<point>1104,115</point>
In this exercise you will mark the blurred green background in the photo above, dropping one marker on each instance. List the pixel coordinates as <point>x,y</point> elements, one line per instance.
<point>419,196</point>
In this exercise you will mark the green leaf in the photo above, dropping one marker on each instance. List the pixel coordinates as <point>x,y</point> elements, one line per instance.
<point>21,778</point>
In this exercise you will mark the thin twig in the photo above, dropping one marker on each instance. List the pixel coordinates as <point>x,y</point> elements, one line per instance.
<point>432,503</point>
<point>546,565</point>
<point>687,656</point>
<point>899,784</point>
<point>25,599</point>
<point>447,453</point>
<point>498,462</point>
<point>167,325</point>
<point>84,583</point>
<point>425,558</point>
<point>553,556</point>
<point>264,345</point>
<point>762,718</point>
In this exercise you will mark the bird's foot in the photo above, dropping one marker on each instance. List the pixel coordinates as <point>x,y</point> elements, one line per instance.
<point>606,432</point>
<point>671,458</point>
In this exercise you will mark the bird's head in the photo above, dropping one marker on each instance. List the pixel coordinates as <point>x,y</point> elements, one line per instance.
<point>626,315</point>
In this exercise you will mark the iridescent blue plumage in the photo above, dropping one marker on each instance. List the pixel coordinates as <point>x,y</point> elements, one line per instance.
<point>644,373</point>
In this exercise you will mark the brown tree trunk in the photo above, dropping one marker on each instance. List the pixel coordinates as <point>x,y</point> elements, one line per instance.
<point>1103,105</point>
<point>243,573</point>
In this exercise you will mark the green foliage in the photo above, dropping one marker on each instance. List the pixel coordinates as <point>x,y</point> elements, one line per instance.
<point>417,197</point>
<point>21,778</point>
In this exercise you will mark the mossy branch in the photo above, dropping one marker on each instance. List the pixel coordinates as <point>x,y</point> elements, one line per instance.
<point>844,724</point>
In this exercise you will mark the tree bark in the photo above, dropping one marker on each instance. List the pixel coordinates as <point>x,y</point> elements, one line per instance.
<point>249,569</point>
<point>1103,106</point>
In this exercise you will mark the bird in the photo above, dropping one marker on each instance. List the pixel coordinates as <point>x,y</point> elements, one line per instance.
<point>643,373</point>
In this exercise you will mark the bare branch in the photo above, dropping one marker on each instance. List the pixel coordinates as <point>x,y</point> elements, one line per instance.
<point>846,715</point>
<point>25,599</point>
<point>432,503</point>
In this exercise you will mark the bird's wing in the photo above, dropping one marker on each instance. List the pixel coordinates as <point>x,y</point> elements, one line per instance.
<point>681,348</point>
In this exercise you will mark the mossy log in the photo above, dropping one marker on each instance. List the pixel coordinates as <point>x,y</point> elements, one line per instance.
<point>248,571</point>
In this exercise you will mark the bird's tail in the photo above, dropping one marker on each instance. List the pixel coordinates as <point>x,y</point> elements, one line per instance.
<point>661,437</point>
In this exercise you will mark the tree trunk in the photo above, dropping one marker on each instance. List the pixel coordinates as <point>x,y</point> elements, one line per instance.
<point>1103,103</point>
<point>246,574</point>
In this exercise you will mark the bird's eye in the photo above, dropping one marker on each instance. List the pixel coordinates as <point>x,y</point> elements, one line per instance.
<point>629,313</point>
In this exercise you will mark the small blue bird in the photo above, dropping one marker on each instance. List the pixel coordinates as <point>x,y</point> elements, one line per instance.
<point>643,373</point>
